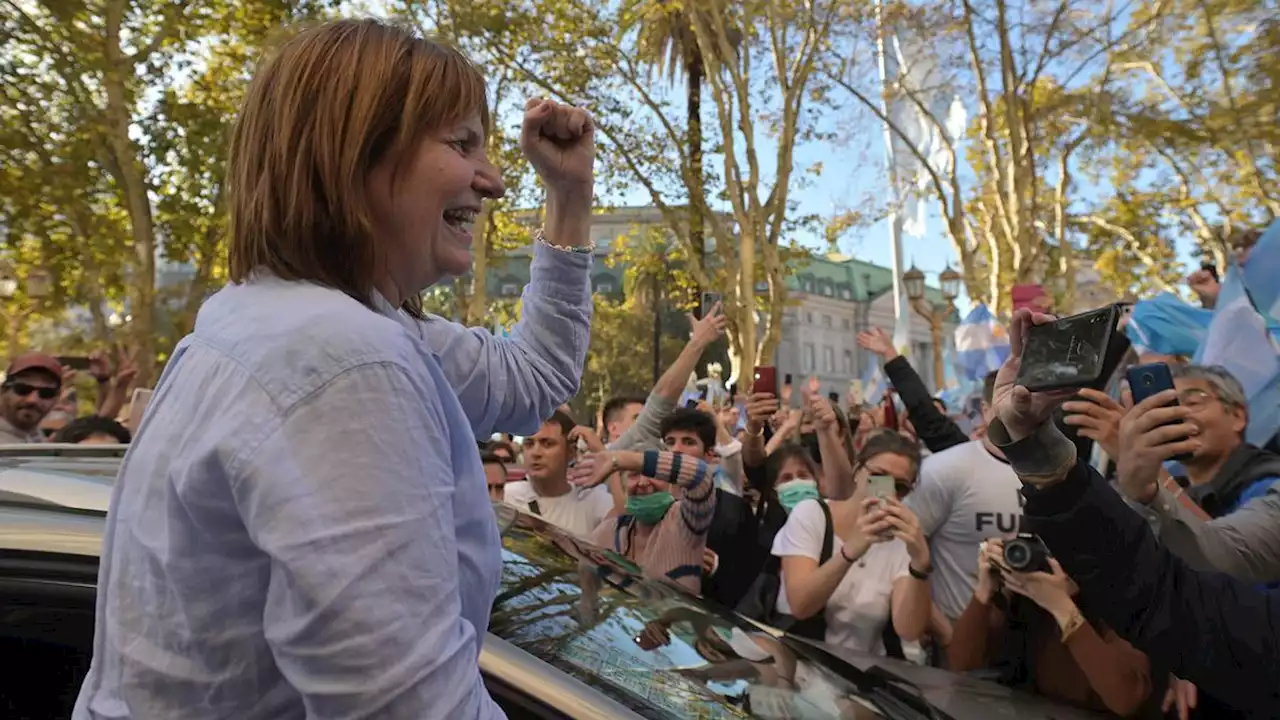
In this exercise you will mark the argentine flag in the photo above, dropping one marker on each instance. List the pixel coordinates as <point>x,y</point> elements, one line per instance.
<point>982,344</point>
<point>1244,338</point>
<point>1166,325</point>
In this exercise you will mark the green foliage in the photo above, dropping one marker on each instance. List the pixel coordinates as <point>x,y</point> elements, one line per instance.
<point>620,359</point>
<point>113,124</point>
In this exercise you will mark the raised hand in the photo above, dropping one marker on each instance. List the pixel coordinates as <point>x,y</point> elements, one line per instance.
<point>1098,416</point>
<point>760,408</point>
<point>1152,432</point>
<point>878,342</point>
<point>709,328</point>
<point>559,141</point>
<point>1021,411</point>
<point>904,526</point>
<point>587,435</point>
<point>592,469</point>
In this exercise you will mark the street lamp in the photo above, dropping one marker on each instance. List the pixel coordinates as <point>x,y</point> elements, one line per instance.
<point>935,314</point>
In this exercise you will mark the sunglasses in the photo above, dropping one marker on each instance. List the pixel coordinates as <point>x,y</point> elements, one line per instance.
<point>23,390</point>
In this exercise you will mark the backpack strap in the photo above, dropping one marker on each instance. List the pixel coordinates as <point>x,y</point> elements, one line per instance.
<point>533,507</point>
<point>828,535</point>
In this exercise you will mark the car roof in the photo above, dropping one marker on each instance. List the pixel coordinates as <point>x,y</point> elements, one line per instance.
<point>54,499</point>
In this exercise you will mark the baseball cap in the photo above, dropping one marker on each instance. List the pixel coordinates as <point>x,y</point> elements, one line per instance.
<point>35,361</point>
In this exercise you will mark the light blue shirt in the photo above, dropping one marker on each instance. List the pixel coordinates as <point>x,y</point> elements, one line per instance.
<point>301,528</point>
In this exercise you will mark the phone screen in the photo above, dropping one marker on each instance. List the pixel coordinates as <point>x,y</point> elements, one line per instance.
<point>1071,352</point>
<point>881,487</point>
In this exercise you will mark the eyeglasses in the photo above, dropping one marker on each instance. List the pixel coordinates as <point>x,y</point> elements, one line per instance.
<point>23,390</point>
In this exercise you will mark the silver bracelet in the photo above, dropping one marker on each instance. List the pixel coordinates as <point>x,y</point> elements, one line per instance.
<point>541,237</point>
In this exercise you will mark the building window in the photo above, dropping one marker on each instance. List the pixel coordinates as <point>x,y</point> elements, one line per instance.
<point>826,290</point>
<point>845,323</point>
<point>828,359</point>
<point>509,289</point>
<point>604,288</point>
<point>808,360</point>
<point>808,286</point>
<point>848,359</point>
<point>846,293</point>
<point>808,318</point>
<point>826,321</point>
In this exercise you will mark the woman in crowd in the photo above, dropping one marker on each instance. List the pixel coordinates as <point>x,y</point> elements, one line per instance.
<point>879,559</point>
<point>301,526</point>
<point>1033,629</point>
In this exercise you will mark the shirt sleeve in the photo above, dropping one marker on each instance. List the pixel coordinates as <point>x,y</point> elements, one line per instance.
<point>512,384</point>
<point>931,499</point>
<point>363,612</point>
<point>645,432</point>
<point>1244,544</point>
<point>802,534</point>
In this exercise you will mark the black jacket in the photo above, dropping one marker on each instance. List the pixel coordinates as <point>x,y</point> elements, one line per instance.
<point>1217,632</point>
<point>935,430</point>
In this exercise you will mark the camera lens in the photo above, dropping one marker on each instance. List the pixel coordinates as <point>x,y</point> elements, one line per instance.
<point>1148,379</point>
<point>1016,554</point>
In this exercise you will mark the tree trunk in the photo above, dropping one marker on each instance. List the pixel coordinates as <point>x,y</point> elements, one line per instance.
<point>478,298</point>
<point>747,301</point>
<point>693,104</point>
<point>131,178</point>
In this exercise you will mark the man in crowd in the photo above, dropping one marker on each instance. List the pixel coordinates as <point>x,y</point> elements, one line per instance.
<point>495,475</point>
<point>966,494</point>
<point>32,386</point>
<point>729,564</point>
<point>1233,481</point>
<point>548,494</point>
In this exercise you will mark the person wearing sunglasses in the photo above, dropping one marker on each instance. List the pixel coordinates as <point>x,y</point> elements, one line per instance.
<point>30,389</point>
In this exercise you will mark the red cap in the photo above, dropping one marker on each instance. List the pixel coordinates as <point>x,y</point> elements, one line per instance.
<point>35,361</point>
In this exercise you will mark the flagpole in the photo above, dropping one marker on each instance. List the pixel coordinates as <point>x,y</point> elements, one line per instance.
<point>901,312</point>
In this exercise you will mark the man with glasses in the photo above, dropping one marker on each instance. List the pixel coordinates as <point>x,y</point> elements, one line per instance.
<point>1234,482</point>
<point>30,390</point>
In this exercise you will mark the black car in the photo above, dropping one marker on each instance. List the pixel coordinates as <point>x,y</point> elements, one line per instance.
<point>575,631</point>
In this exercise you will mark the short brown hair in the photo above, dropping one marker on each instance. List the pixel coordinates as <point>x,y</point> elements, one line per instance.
<point>320,114</point>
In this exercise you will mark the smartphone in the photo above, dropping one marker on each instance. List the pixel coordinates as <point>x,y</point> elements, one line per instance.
<point>882,487</point>
<point>834,397</point>
<point>73,362</point>
<point>690,404</point>
<point>709,300</point>
<point>137,406</point>
<point>786,379</point>
<point>1068,353</point>
<point>766,380</point>
<point>1148,380</point>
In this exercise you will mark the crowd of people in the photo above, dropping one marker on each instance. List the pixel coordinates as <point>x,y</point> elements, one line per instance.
<point>303,526</point>
<point>38,401</point>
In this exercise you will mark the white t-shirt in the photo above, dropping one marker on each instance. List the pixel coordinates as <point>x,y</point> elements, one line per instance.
<point>859,608</point>
<point>579,511</point>
<point>965,495</point>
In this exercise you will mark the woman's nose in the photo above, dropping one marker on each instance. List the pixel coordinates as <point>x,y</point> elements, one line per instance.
<point>488,181</point>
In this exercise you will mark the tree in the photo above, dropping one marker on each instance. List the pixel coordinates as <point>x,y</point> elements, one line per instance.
<point>1033,75</point>
<point>764,78</point>
<point>1194,132</point>
<point>86,76</point>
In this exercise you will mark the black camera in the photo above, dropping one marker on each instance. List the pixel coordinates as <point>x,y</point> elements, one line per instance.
<point>1026,553</point>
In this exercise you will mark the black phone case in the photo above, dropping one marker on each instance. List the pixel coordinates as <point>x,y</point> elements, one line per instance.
<point>1111,358</point>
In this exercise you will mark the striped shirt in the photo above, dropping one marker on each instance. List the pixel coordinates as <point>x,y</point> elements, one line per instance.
<point>671,550</point>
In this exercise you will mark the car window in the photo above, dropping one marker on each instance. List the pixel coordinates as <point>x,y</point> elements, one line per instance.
<point>656,650</point>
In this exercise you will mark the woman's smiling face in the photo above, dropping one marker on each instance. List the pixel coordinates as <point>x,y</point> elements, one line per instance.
<point>425,206</point>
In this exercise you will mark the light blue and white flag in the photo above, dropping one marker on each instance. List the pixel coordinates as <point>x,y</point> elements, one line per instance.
<point>1167,325</point>
<point>874,383</point>
<point>982,344</point>
<point>1262,274</point>
<point>1241,339</point>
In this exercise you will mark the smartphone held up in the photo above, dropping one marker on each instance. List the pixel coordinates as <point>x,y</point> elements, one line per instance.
<point>1079,351</point>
